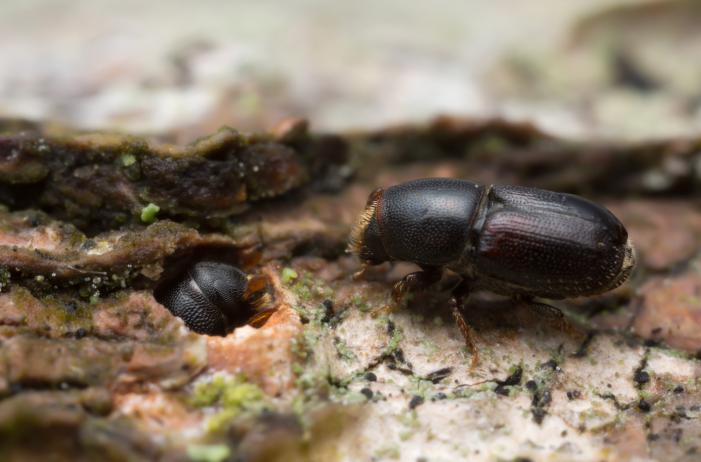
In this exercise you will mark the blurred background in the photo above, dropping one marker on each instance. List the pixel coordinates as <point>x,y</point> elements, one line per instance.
<point>615,69</point>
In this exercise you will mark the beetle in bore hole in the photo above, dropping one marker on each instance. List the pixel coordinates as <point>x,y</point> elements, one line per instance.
<point>511,240</point>
<point>214,297</point>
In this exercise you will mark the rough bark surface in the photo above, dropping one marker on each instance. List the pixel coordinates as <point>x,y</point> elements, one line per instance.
<point>92,367</point>
<point>86,348</point>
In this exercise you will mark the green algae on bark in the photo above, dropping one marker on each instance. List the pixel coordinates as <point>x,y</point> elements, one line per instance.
<point>104,180</point>
<point>231,396</point>
<point>48,256</point>
<point>100,181</point>
<point>407,373</point>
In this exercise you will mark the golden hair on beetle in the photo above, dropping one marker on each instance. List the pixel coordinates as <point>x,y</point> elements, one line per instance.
<point>355,243</point>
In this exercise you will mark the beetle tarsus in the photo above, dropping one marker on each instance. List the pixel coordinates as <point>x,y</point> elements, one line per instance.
<point>386,309</point>
<point>415,282</point>
<point>260,318</point>
<point>467,333</point>
<point>360,274</point>
<point>256,294</point>
<point>460,294</point>
<point>547,311</point>
<point>412,282</point>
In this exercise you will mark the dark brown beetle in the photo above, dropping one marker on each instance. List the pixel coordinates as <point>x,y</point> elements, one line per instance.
<point>512,240</point>
<point>213,297</point>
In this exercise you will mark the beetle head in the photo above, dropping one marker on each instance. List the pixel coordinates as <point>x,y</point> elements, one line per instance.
<point>366,237</point>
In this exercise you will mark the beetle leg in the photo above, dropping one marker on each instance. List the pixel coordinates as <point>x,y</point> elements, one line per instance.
<point>468,334</point>
<point>555,314</point>
<point>258,319</point>
<point>417,281</point>
<point>256,292</point>
<point>547,311</point>
<point>460,293</point>
<point>387,308</point>
<point>360,274</point>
